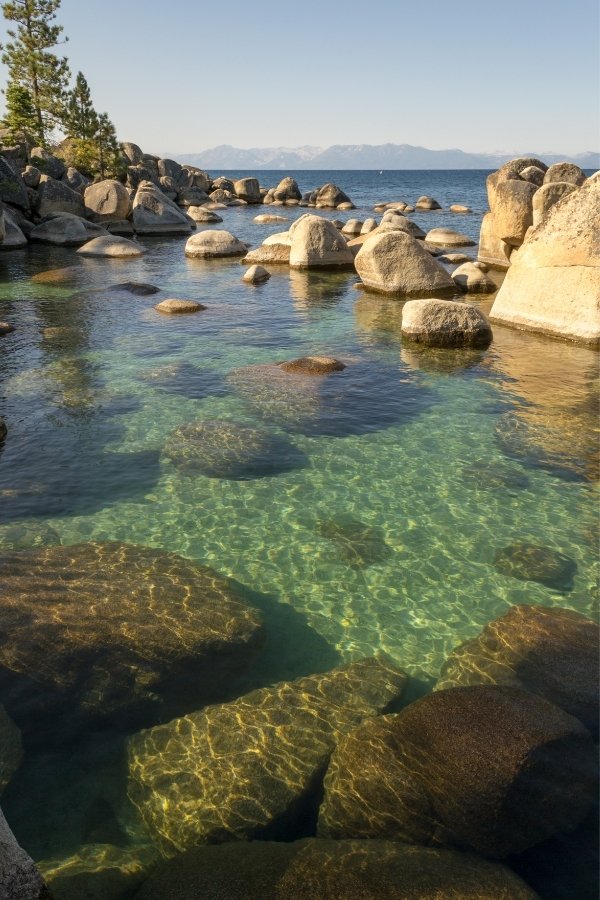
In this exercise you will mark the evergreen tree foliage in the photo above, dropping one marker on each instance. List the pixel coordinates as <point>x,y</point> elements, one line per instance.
<point>81,119</point>
<point>20,119</point>
<point>30,62</point>
<point>108,148</point>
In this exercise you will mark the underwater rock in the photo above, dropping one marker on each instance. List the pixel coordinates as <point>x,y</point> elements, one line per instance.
<point>57,276</point>
<point>489,475</point>
<point>357,543</point>
<point>552,652</point>
<point>19,877</point>
<point>220,448</point>
<point>313,365</point>
<point>11,749</point>
<point>488,767</point>
<point>185,379</point>
<point>107,627</point>
<point>250,768</point>
<point>26,535</point>
<point>533,562</point>
<point>139,289</point>
<point>99,872</point>
<point>313,869</point>
<point>172,306</point>
<point>562,444</point>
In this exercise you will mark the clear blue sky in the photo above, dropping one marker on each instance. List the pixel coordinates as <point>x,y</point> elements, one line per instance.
<point>184,75</point>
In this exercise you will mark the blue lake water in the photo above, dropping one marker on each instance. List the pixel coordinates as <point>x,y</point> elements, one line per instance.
<point>444,459</point>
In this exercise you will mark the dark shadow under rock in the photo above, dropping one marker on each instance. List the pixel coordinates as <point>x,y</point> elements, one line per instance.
<point>220,448</point>
<point>534,562</point>
<point>185,380</point>
<point>357,544</point>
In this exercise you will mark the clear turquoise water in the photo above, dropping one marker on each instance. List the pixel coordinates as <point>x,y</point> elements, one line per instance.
<point>409,444</point>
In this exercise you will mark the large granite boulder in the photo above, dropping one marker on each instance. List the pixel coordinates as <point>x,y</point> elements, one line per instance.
<point>191,197</point>
<point>220,448</point>
<point>287,189</point>
<point>513,210</point>
<point>445,323</point>
<point>65,229</point>
<point>510,171</point>
<point>11,748</point>
<point>12,186</point>
<point>169,168</point>
<point>313,869</point>
<point>545,198</point>
<point>427,203</point>
<point>446,237</point>
<point>136,175</point>
<point>13,238</point>
<point>107,201</point>
<point>395,263</point>
<point>214,244</point>
<point>48,163</point>
<point>111,246</point>
<point>490,768</point>
<point>316,243</point>
<point>203,215</point>
<point>108,627</point>
<point>552,652</point>
<point>251,768</point>
<point>565,171</point>
<point>269,254</point>
<point>469,278</point>
<point>553,284</point>
<point>75,180</point>
<point>493,251</point>
<point>154,213</point>
<point>248,189</point>
<point>57,197</point>
<point>19,877</point>
<point>330,196</point>
<point>132,153</point>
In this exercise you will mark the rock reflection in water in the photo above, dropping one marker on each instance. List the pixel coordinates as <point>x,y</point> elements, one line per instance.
<point>313,290</point>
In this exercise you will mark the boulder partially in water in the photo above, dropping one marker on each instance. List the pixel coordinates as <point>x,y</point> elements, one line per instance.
<point>316,243</point>
<point>65,229</point>
<point>112,246</point>
<point>173,306</point>
<point>446,237</point>
<point>268,254</point>
<point>313,869</point>
<point>313,365</point>
<point>250,768</point>
<point>213,244</point>
<point>552,652</point>
<point>427,203</point>
<point>221,448</point>
<point>109,627</point>
<point>469,278</point>
<point>256,275</point>
<point>154,213</point>
<point>248,189</point>
<point>490,768</point>
<point>534,562</point>
<point>396,263</point>
<point>203,215</point>
<point>445,323</point>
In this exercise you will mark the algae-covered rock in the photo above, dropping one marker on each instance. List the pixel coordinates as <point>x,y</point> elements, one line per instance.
<point>222,448</point>
<point>552,652</point>
<point>488,767</point>
<point>249,768</point>
<point>113,626</point>
<point>534,562</point>
<point>313,869</point>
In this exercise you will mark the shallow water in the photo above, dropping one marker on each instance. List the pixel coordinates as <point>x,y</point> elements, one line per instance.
<point>415,467</point>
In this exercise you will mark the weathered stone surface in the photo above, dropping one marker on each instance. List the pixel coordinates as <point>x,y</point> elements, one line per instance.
<point>427,203</point>
<point>11,747</point>
<point>132,152</point>
<point>212,244</point>
<point>510,171</point>
<point>396,263</point>
<point>31,176</point>
<point>455,259</point>
<point>492,251</point>
<point>460,208</point>
<point>279,237</point>
<point>112,246</point>
<point>393,222</point>
<point>287,189</point>
<point>552,652</point>
<point>565,171</point>
<point>533,174</point>
<point>446,237</point>
<point>256,275</point>
<point>352,227</point>
<point>12,186</point>
<point>313,365</point>
<point>220,448</point>
<point>269,254</point>
<point>313,869</point>
<point>99,872</point>
<point>545,198</point>
<point>107,201</point>
<point>3,430</point>
<point>248,768</point>
<point>223,184</point>
<point>368,226</point>
<point>154,213</point>
<point>169,168</point>
<point>316,243</point>
<point>469,278</point>
<point>193,196</point>
<point>534,562</point>
<point>248,189</point>
<point>201,214</point>
<point>136,175</point>
<point>13,239</point>
<point>445,323</point>
<point>513,210</point>
<point>65,229</point>
<point>19,877</point>
<point>269,219</point>
<point>553,284</point>
<point>112,626</point>
<point>330,196</point>
<point>172,306</point>
<point>56,197</point>
<point>47,163</point>
<point>75,180</point>
<point>487,767</point>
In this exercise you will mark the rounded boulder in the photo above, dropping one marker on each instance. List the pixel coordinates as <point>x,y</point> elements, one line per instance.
<point>445,323</point>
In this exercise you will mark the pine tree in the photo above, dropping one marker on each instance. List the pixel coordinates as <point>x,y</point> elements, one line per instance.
<point>30,61</point>
<point>107,146</point>
<point>81,119</point>
<point>20,119</point>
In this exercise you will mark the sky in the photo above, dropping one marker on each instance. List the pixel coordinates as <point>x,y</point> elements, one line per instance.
<point>182,76</point>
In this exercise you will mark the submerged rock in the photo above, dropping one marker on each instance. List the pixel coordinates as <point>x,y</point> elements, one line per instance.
<point>172,306</point>
<point>111,627</point>
<point>313,869</point>
<point>552,652</point>
<point>139,289</point>
<point>357,543</point>
<point>490,768</point>
<point>184,379</point>
<point>486,475</point>
<point>220,448</point>
<point>99,871</point>
<point>249,768</point>
<point>313,365</point>
<point>11,749</point>
<point>533,562</point>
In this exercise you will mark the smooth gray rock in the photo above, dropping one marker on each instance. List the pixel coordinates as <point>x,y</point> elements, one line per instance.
<point>107,201</point>
<point>248,189</point>
<point>57,197</point>
<point>75,180</point>
<point>154,213</point>
<point>65,229</point>
<point>132,152</point>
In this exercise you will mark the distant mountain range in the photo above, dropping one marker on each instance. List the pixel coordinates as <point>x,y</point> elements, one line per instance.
<point>365,156</point>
